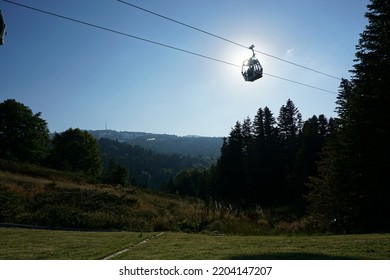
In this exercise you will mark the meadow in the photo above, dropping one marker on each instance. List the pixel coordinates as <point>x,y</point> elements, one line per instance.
<point>34,244</point>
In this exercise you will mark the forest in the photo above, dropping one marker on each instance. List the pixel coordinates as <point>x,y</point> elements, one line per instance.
<point>148,168</point>
<point>191,145</point>
<point>266,162</point>
<point>331,173</point>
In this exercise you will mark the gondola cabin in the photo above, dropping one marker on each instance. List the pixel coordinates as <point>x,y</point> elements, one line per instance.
<point>2,29</point>
<point>251,68</point>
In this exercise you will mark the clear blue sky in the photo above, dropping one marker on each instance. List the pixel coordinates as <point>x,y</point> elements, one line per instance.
<point>78,76</point>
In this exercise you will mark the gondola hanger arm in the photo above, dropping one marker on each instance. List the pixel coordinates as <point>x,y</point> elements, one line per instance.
<point>252,48</point>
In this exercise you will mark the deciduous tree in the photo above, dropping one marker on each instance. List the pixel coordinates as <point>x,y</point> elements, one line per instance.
<point>76,150</point>
<point>24,136</point>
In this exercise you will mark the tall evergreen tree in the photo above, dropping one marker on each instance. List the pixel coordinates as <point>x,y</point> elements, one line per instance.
<point>259,158</point>
<point>369,116</point>
<point>267,159</point>
<point>247,138</point>
<point>312,139</point>
<point>271,133</point>
<point>289,122</point>
<point>353,171</point>
<point>230,165</point>
<point>248,181</point>
<point>258,128</point>
<point>290,126</point>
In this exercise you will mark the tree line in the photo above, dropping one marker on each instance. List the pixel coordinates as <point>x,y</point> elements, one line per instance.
<point>263,162</point>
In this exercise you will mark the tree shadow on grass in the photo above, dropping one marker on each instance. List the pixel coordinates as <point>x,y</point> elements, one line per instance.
<point>290,256</point>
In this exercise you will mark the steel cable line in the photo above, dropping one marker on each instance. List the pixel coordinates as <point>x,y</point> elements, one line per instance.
<point>154,42</point>
<point>226,40</point>
<point>118,32</point>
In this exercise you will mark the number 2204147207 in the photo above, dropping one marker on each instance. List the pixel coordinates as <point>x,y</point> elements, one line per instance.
<point>249,270</point>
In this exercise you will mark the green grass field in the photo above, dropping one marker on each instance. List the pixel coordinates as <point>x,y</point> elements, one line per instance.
<point>30,244</point>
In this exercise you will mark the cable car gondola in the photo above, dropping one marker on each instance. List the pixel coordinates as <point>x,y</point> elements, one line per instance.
<point>251,68</point>
<point>2,29</point>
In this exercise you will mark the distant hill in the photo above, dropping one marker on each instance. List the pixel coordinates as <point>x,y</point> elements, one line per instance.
<point>165,143</point>
<point>148,168</point>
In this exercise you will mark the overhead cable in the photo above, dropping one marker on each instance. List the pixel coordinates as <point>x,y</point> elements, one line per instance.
<point>226,40</point>
<point>154,42</point>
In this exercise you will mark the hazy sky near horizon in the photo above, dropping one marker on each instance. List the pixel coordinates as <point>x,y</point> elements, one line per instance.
<point>80,76</point>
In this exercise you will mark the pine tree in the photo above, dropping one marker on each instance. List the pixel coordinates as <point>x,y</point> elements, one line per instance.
<point>267,159</point>
<point>271,133</point>
<point>353,171</point>
<point>230,175</point>
<point>116,174</point>
<point>289,122</point>
<point>312,139</point>
<point>248,182</point>
<point>370,119</point>
<point>290,126</point>
<point>247,139</point>
<point>258,129</point>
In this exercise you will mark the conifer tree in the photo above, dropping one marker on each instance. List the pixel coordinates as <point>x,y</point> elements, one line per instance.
<point>369,117</point>
<point>248,181</point>
<point>351,193</point>
<point>267,159</point>
<point>289,125</point>
<point>230,165</point>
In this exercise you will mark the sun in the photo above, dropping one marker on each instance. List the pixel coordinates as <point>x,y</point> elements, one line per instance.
<point>239,55</point>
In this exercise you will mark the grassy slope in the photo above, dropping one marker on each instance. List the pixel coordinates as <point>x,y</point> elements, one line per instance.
<point>50,198</point>
<point>38,196</point>
<point>45,244</point>
<point>35,195</point>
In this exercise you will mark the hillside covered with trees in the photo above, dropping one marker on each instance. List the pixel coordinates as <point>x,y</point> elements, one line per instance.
<point>166,144</point>
<point>145,167</point>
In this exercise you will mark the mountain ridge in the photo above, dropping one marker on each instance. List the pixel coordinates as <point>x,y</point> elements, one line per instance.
<point>192,145</point>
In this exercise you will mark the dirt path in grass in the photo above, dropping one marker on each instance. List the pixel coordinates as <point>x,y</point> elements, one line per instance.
<point>132,246</point>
